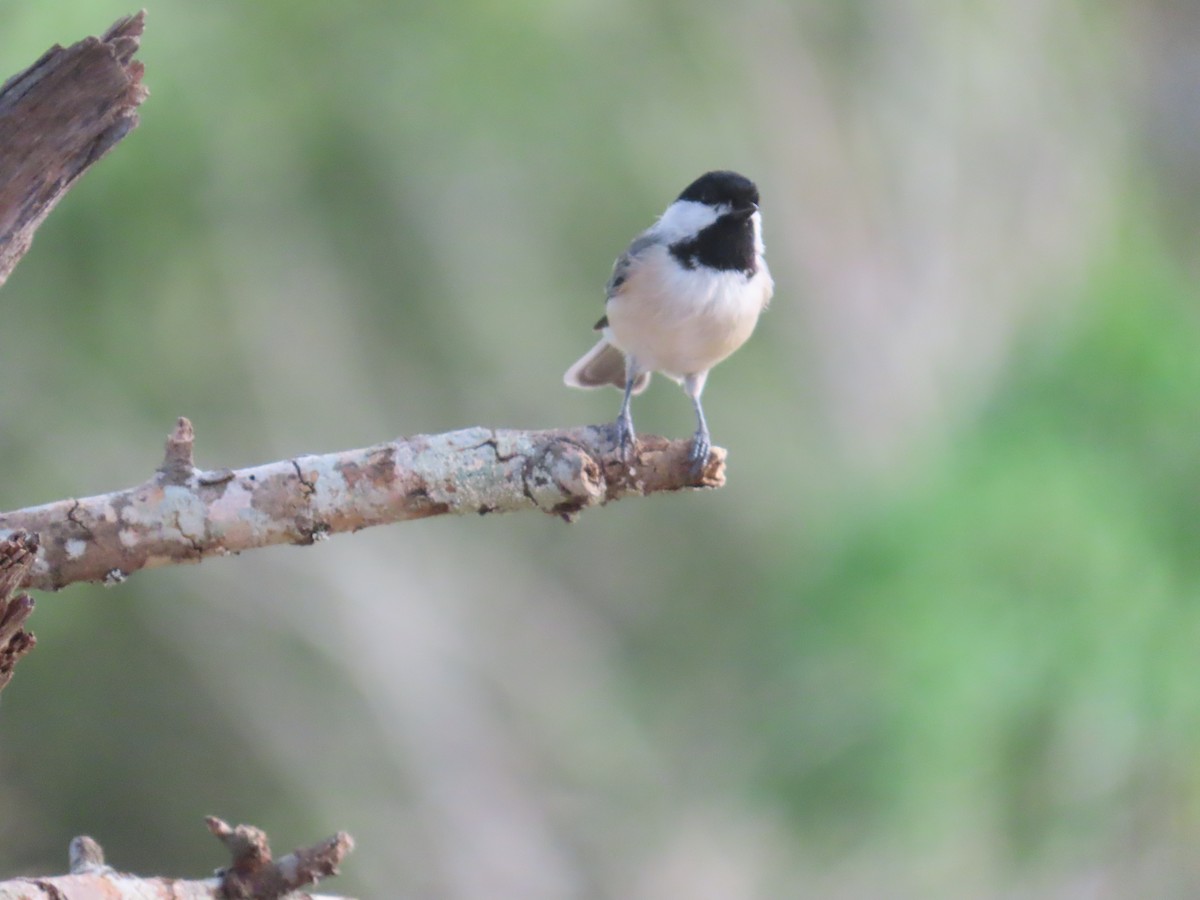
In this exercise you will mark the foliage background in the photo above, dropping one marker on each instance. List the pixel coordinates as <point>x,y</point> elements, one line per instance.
<point>938,636</point>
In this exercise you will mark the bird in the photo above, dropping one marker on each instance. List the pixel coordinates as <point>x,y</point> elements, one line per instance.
<point>684,295</point>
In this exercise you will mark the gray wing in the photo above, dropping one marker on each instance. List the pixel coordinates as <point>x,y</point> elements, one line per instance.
<point>627,260</point>
<point>625,264</point>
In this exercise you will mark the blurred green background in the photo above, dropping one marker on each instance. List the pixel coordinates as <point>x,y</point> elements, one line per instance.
<point>939,636</point>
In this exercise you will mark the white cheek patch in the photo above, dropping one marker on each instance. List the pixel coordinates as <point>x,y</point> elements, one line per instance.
<point>684,218</point>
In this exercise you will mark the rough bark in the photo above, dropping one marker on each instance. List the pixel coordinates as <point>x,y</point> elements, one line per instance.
<point>184,514</point>
<point>57,118</point>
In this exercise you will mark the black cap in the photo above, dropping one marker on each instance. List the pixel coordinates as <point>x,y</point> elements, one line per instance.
<point>719,187</point>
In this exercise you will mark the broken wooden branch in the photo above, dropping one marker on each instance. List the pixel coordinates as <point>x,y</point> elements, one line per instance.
<point>57,118</point>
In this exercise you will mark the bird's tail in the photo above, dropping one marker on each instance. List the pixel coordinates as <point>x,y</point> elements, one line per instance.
<point>603,364</point>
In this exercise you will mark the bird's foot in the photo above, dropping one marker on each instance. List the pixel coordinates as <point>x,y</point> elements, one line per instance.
<point>701,447</point>
<point>626,437</point>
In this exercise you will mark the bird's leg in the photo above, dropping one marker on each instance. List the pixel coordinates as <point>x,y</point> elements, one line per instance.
<point>626,436</point>
<point>701,442</point>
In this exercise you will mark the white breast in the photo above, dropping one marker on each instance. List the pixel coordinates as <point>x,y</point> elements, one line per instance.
<point>684,321</point>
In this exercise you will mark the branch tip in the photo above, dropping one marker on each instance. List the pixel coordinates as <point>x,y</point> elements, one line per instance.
<point>713,473</point>
<point>129,27</point>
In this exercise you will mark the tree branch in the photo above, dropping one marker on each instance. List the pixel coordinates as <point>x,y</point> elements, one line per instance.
<point>252,874</point>
<point>57,118</point>
<point>184,514</point>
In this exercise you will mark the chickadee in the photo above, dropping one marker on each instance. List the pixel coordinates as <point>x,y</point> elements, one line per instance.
<point>684,295</point>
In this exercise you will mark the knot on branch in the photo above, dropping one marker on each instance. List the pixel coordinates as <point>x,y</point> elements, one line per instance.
<point>563,479</point>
